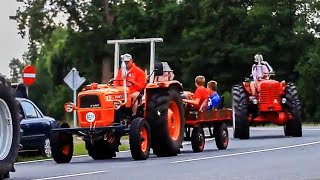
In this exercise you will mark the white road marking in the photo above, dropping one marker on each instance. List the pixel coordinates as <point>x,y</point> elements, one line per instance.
<point>277,129</point>
<point>247,152</point>
<point>73,175</point>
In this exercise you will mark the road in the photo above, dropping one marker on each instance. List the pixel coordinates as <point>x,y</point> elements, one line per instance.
<point>267,155</point>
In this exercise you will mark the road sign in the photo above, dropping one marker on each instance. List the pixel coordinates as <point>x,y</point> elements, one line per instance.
<point>29,75</point>
<point>74,81</point>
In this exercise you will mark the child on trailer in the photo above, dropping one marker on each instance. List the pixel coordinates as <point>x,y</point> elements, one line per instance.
<point>214,97</point>
<point>200,95</point>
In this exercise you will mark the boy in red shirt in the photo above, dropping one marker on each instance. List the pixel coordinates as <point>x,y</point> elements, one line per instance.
<point>200,95</point>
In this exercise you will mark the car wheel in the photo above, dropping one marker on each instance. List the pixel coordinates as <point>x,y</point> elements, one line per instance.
<point>46,148</point>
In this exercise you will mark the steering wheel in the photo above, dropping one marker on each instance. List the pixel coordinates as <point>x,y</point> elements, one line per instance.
<point>128,83</point>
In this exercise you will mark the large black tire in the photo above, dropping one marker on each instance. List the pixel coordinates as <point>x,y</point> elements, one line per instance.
<point>140,139</point>
<point>293,106</point>
<point>103,149</point>
<point>160,102</point>
<point>7,160</point>
<point>221,135</point>
<point>240,113</point>
<point>61,145</point>
<point>197,139</point>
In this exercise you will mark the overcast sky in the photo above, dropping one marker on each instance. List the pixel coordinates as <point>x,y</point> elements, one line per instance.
<point>11,44</point>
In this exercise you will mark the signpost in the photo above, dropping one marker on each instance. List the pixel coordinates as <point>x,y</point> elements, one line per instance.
<point>74,81</point>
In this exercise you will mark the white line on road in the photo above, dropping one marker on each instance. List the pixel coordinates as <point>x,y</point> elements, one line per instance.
<point>277,128</point>
<point>248,152</point>
<point>73,175</point>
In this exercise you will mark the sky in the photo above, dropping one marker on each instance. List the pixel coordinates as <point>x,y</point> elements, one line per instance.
<point>11,43</point>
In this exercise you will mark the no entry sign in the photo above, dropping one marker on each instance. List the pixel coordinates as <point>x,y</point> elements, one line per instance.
<point>29,75</point>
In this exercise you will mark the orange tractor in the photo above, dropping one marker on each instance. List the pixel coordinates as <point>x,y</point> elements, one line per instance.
<point>276,102</point>
<point>215,120</point>
<point>105,115</point>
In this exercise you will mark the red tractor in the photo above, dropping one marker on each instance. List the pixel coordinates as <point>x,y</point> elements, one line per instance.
<point>105,115</point>
<point>276,102</point>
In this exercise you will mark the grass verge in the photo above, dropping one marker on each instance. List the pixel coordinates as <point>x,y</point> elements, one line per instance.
<point>79,149</point>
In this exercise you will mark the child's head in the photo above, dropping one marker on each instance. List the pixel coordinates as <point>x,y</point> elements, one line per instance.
<point>212,85</point>
<point>199,81</point>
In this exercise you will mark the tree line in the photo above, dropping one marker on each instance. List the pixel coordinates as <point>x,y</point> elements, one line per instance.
<point>214,38</point>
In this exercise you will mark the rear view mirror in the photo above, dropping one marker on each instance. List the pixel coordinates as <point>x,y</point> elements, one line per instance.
<point>158,69</point>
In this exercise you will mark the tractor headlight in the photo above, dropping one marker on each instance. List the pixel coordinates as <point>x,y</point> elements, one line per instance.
<point>283,100</point>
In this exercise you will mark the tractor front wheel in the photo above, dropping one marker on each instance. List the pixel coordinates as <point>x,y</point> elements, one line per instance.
<point>240,113</point>
<point>165,115</point>
<point>293,126</point>
<point>103,148</point>
<point>140,139</point>
<point>61,145</point>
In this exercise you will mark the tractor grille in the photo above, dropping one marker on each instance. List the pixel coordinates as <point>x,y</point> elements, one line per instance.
<point>269,93</point>
<point>89,101</point>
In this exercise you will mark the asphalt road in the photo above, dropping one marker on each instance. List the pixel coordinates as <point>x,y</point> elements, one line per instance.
<point>267,155</point>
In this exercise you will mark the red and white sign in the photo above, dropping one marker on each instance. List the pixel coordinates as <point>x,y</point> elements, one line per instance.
<point>29,75</point>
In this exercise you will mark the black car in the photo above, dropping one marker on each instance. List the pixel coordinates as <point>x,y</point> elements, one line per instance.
<point>36,128</point>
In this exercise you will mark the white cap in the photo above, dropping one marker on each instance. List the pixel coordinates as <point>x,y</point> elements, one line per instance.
<point>258,57</point>
<point>126,57</point>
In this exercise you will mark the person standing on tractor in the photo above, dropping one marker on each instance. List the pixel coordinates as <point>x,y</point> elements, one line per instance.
<point>200,95</point>
<point>214,97</point>
<point>136,78</point>
<point>266,69</point>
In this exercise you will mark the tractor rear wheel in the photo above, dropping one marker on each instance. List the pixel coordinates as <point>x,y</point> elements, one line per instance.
<point>221,135</point>
<point>197,139</point>
<point>165,115</point>
<point>9,130</point>
<point>293,106</point>
<point>240,113</point>
<point>61,145</point>
<point>140,139</point>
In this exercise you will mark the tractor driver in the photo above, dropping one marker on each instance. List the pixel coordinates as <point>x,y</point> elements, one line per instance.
<point>266,69</point>
<point>136,78</point>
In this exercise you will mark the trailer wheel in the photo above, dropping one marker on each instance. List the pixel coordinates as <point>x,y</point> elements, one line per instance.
<point>10,130</point>
<point>293,126</point>
<point>61,145</point>
<point>240,113</point>
<point>165,115</point>
<point>140,138</point>
<point>197,139</point>
<point>221,135</point>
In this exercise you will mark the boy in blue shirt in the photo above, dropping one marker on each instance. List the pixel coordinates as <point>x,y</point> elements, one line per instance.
<point>214,97</point>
